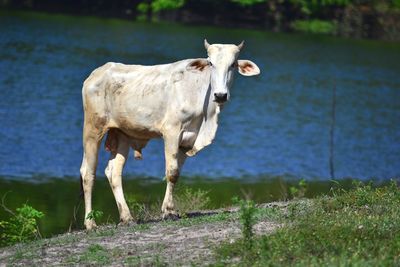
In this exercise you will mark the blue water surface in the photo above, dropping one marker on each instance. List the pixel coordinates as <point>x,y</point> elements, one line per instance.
<point>277,124</point>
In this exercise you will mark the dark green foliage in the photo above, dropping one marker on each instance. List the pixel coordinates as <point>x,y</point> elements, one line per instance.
<point>159,5</point>
<point>353,228</point>
<point>248,2</point>
<point>94,215</point>
<point>21,227</point>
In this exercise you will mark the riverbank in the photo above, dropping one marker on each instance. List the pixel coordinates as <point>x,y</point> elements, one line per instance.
<point>353,19</point>
<point>359,227</point>
<point>187,241</point>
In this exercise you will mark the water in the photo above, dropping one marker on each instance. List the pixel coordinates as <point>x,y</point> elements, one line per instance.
<point>276,125</point>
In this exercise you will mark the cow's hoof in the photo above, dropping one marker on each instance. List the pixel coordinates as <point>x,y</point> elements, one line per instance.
<point>173,216</point>
<point>127,223</point>
<point>90,225</point>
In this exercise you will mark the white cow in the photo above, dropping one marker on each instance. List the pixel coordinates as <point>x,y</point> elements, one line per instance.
<point>179,102</point>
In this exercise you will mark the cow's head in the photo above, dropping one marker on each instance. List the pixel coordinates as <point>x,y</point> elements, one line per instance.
<point>222,61</point>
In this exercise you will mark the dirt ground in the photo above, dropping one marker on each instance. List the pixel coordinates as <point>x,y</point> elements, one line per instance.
<point>185,242</point>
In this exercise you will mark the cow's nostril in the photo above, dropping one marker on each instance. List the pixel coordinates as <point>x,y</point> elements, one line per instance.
<point>220,97</point>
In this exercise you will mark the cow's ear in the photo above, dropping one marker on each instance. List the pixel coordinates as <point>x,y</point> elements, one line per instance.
<point>247,68</point>
<point>197,64</point>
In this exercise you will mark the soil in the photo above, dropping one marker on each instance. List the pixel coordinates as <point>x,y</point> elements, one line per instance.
<point>185,242</point>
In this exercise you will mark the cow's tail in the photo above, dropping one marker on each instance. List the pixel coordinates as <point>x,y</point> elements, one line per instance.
<point>81,193</point>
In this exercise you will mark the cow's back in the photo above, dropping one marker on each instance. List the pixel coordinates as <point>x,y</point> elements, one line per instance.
<point>141,99</point>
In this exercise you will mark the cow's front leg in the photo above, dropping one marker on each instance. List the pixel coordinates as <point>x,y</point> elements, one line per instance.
<point>174,159</point>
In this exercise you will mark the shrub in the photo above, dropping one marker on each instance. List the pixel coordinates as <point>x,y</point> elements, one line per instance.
<point>22,225</point>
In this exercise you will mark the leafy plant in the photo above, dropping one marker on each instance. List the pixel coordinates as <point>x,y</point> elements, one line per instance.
<point>94,215</point>
<point>300,190</point>
<point>22,225</point>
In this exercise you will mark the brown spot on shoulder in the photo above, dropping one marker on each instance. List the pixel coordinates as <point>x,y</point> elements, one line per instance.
<point>198,64</point>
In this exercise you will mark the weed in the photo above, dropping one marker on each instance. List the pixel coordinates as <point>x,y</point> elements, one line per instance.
<point>300,190</point>
<point>21,227</point>
<point>247,212</point>
<point>94,215</point>
<point>188,199</point>
<point>143,212</point>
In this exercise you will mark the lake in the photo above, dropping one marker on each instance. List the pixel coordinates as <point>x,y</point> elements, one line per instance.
<point>275,128</point>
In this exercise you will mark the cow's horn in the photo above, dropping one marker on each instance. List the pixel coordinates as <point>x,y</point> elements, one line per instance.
<point>240,46</point>
<point>206,44</point>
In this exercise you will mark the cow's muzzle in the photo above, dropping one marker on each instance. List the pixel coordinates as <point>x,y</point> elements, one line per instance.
<point>220,98</point>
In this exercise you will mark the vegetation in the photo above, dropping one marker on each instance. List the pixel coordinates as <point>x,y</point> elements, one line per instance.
<point>186,200</point>
<point>352,18</point>
<point>359,227</point>
<point>21,226</point>
<point>314,26</point>
<point>94,215</point>
<point>247,219</point>
<point>352,227</point>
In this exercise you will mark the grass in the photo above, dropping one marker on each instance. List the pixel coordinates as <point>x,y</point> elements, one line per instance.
<point>356,227</point>
<point>360,227</point>
<point>94,254</point>
<point>186,200</point>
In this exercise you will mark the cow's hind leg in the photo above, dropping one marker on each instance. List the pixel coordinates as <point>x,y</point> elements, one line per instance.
<point>114,174</point>
<point>91,144</point>
<point>174,159</point>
